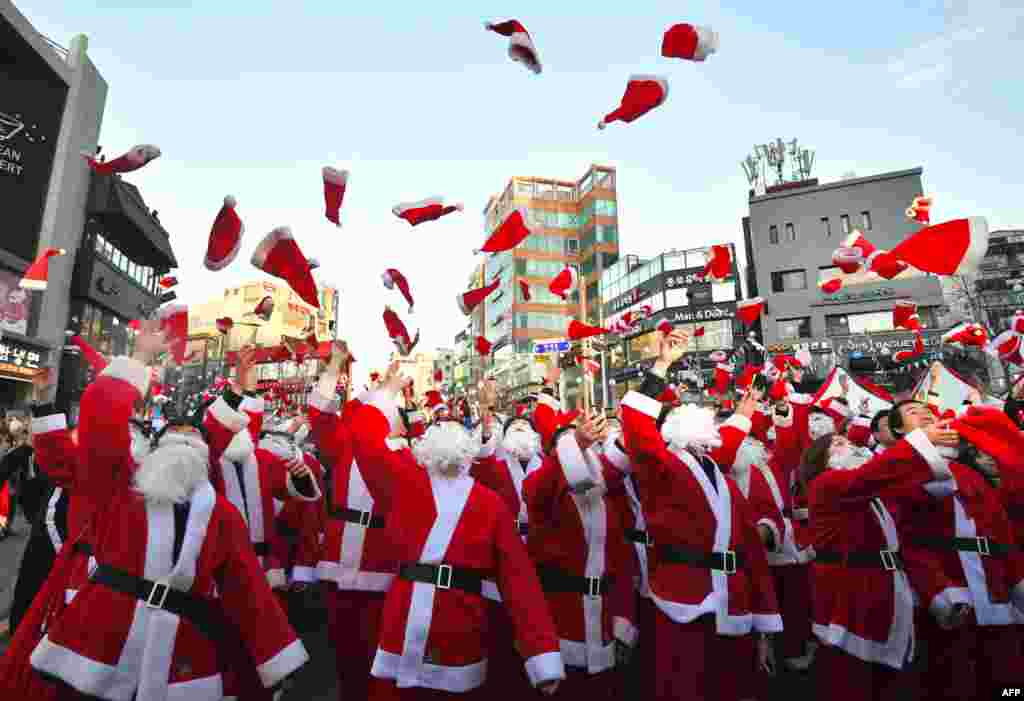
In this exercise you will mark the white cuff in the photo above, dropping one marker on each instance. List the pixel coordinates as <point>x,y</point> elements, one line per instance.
<point>295,494</point>
<point>545,667</point>
<point>129,370</point>
<point>625,632</point>
<point>276,578</point>
<point>616,457</point>
<point>776,538</point>
<point>940,489</point>
<point>767,622</point>
<point>942,605</point>
<point>739,421</point>
<point>46,424</point>
<point>252,405</point>
<point>642,403</point>
<point>548,400</point>
<point>323,404</point>
<point>574,463</point>
<point>303,575</point>
<point>920,443</point>
<point>800,399</point>
<point>283,663</point>
<point>227,417</point>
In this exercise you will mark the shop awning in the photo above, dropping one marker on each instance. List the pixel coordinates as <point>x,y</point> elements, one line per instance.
<point>128,222</point>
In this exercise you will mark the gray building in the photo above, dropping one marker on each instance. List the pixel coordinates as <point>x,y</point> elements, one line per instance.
<point>790,237</point>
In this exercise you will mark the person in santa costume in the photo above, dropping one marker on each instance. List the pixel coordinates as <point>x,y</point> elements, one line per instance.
<point>961,552</point>
<point>863,606</point>
<point>454,534</point>
<point>880,431</point>
<point>709,578</point>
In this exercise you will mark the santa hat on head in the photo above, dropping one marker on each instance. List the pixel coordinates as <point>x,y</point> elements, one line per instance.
<point>225,324</point>
<point>722,377</point>
<point>830,287</point>
<point>643,94</point>
<point>954,247</point>
<point>225,236</point>
<point>168,281</point>
<point>335,184</point>
<point>174,321</point>
<point>749,310</point>
<point>690,42</point>
<point>134,159</point>
<point>902,311</point>
<point>565,282</point>
<point>483,346</point>
<point>576,331</point>
<point>524,290</point>
<point>920,210</point>
<point>398,333</point>
<point>278,254</point>
<point>509,234</point>
<point>520,45</point>
<point>1007,347</point>
<point>38,274</point>
<point>96,361</point>
<point>719,264</point>
<point>468,301</point>
<point>430,209</point>
<point>265,309</point>
<point>967,335</point>
<point>392,278</point>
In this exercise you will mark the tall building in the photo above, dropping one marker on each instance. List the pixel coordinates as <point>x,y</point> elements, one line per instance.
<point>420,367</point>
<point>998,286</point>
<point>790,236</point>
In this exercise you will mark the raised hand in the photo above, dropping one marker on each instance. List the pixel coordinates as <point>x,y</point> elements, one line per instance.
<point>672,347</point>
<point>940,433</point>
<point>748,405</point>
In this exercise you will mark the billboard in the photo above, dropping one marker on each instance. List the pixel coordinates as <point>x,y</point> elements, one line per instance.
<point>17,306</point>
<point>32,99</point>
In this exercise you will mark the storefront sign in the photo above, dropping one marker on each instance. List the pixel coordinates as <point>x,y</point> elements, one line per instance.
<point>635,295</point>
<point>683,315</point>
<point>884,343</point>
<point>19,360</point>
<point>865,296</point>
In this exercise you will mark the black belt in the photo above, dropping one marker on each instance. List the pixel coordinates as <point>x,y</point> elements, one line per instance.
<point>261,549</point>
<point>203,614</point>
<point>366,519</point>
<point>1016,513</point>
<point>889,560</point>
<point>83,548</point>
<point>557,581</point>
<point>980,545</point>
<point>729,561</point>
<point>444,576</point>
<point>522,527</point>
<point>635,535</point>
<point>287,532</point>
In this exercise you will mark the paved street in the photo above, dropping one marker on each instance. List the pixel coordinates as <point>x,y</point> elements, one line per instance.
<point>11,549</point>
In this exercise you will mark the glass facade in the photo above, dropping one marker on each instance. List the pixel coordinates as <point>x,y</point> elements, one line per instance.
<point>105,332</point>
<point>142,275</point>
<point>871,322</point>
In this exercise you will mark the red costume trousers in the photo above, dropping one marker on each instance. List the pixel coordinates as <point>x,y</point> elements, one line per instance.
<point>969,662</point>
<point>578,685</point>
<point>506,671</point>
<point>692,661</point>
<point>353,619</point>
<point>385,690</point>
<point>793,587</point>
<point>839,676</point>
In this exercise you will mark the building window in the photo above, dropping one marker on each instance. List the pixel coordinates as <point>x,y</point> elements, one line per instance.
<point>723,292</point>
<point>826,225</point>
<point>677,298</point>
<point>870,322</point>
<point>844,223</point>
<point>773,234</point>
<point>789,280</point>
<point>572,246</point>
<point>792,329</point>
<point>790,232</point>
<point>865,220</point>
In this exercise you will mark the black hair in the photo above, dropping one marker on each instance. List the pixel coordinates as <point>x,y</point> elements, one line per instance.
<point>876,420</point>
<point>814,460</point>
<point>896,416</point>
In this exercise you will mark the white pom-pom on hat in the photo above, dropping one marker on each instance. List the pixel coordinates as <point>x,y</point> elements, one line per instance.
<point>230,201</point>
<point>460,207</point>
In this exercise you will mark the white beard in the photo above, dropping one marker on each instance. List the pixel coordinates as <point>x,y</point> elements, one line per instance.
<point>169,474</point>
<point>849,459</point>
<point>240,447</point>
<point>691,426</point>
<point>447,450</point>
<point>522,445</point>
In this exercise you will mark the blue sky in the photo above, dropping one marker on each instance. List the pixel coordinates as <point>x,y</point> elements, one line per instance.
<point>253,98</point>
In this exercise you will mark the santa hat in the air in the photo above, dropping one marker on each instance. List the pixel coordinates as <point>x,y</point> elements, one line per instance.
<point>468,301</point>
<point>719,264</point>
<point>643,94</point>
<point>1007,347</point>
<point>225,324</point>
<point>690,42</point>
<point>779,389</point>
<point>576,331</point>
<point>968,335</point>
<point>666,327</point>
<point>335,184</point>
<point>1017,323</point>
<point>746,377</point>
<point>225,236</point>
<point>265,309</point>
<point>722,377</point>
<point>92,356</point>
<point>38,274</point>
<point>438,376</point>
<point>509,234</point>
<point>392,278</point>
<point>853,252</point>
<point>920,210</point>
<point>906,356</point>
<point>698,331</point>
<point>749,310</point>
<point>483,346</point>
<point>433,399</point>
<point>168,281</point>
<point>134,159</point>
<point>398,334</point>
<point>278,254</point>
<point>902,311</point>
<point>565,282</point>
<point>524,290</point>
<point>430,209</point>
<point>520,45</point>
<point>954,247</point>
<point>832,285</point>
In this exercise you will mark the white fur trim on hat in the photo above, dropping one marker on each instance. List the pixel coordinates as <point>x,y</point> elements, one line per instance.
<point>522,40</point>
<point>461,299</point>
<point>129,370</point>
<point>977,246</point>
<point>388,281</point>
<point>230,201</point>
<point>707,43</point>
<point>641,402</point>
<point>227,417</point>
<point>281,233</point>
<point>335,176</point>
<point>402,207</point>
<point>753,301</point>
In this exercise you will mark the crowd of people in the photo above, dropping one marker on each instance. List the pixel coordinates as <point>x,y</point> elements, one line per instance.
<point>660,551</point>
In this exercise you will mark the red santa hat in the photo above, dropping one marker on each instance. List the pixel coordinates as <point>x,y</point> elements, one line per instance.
<point>669,395</point>
<point>565,282</point>
<point>643,94</point>
<point>483,346</point>
<point>722,377</point>
<point>954,247</point>
<point>468,301</point>
<point>746,377</point>
<point>524,290</point>
<point>992,432</point>
<point>719,264</point>
<point>225,324</point>
<point>433,399</point>
<point>690,42</point>
<point>265,309</point>
<point>1017,323</point>
<point>392,278</point>
<point>885,264</point>
<point>904,356</point>
<point>438,376</point>
<point>749,310</point>
<point>576,331</point>
<point>278,254</point>
<point>920,210</point>
<point>902,311</point>
<point>968,335</point>
<point>225,236</point>
<point>335,184</point>
<point>96,361</point>
<point>398,333</point>
<point>134,159</point>
<point>429,209</point>
<point>698,332</point>
<point>168,281</point>
<point>853,252</point>
<point>778,390</point>
<point>520,45</point>
<point>859,431</point>
<point>135,324</point>
<point>666,327</point>
<point>1007,347</point>
<point>913,323</point>
<point>831,286</point>
<point>38,274</point>
<point>509,234</point>
<point>174,321</point>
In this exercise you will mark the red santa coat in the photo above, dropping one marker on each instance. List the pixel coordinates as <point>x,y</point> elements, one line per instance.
<point>437,639</point>
<point>753,483</point>
<point>792,437</point>
<point>298,527</point>
<point>624,495</point>
<point>582,538</point>
<point>968,508</point>
<point>865,611</point>
<point>685,509</point>
<point>354,556</point>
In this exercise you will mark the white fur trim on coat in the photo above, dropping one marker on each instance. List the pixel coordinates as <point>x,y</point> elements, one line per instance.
<point>227,417</point>
<point>46,424</point>
<point>739,421</point>
<point>303,575</point>
<point>920,443</point>
<point>545,667</point>
<point>283,663</point>
<point>625,632</point>
<point>776,536</point>
<point>574,462</point>
<point>129,370</point>
<point>642,403</point>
